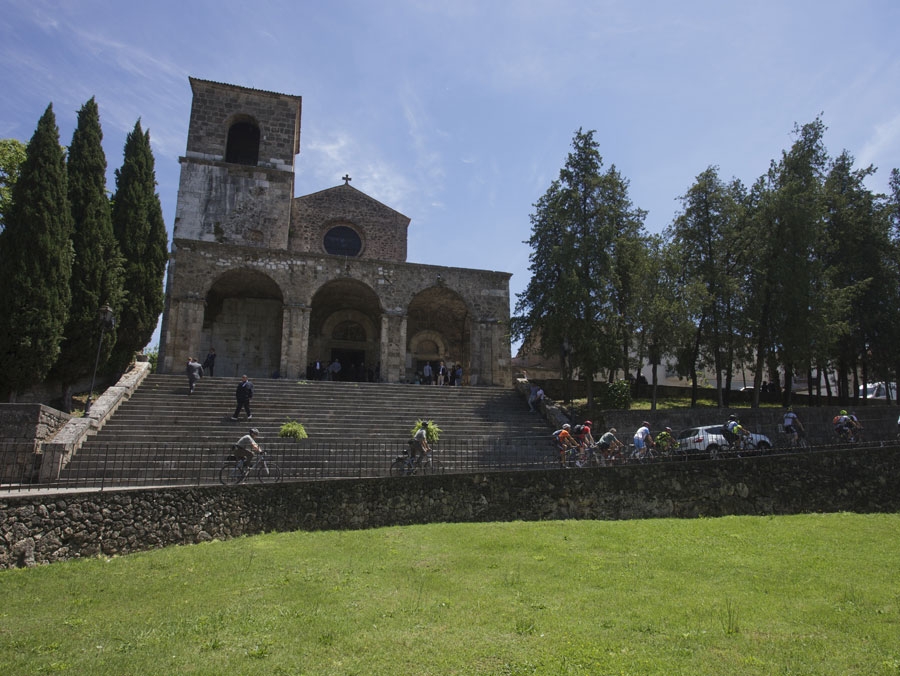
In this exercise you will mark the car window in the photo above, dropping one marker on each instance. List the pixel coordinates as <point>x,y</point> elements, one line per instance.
<point>716,429</point>
<point>686,434</point>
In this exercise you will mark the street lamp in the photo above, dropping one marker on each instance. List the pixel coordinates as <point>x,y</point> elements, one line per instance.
<point>107,321</point>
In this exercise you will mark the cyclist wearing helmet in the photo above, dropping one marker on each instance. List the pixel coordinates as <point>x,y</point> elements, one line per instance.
<point>792,425</point>
<point>844,426</point>
<point>564,441</point>
<point>730,429</point>
<point>419,441</point>
<point>583,434</point>
<point>666,441</point>
<point>246,447</point>
<point>643,438</point>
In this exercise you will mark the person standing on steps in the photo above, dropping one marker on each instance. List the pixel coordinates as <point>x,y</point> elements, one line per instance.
<point>194,372</point>
<point>243,394</point>
<point>209,364</point>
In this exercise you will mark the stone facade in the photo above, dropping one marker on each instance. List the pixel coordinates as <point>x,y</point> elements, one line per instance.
<point>275,282</point>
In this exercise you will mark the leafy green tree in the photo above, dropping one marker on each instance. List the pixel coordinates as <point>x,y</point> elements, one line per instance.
<point>665,316</point>
<point>97,266</point>
<point>580,282</point>
<point>786,229</point>
<point>628,264</point>
<point>705,238</point>
<point>36,260</point>
<point>860,263</point>
<point>12,154</point>
<point>141,233</point>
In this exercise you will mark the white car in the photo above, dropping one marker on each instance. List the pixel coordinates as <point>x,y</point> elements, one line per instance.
<point>710,440</point>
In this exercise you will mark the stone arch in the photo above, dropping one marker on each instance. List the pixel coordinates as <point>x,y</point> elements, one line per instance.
<point>440,315</point>
<point>345,324</point>
<point>242,320</point>
<point>242,146</point>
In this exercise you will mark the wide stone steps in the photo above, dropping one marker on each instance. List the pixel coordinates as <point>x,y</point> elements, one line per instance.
<point>164,435</point>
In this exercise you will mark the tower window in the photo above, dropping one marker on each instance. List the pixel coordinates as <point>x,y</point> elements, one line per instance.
<point>243,144</point>
<point>342,241</point>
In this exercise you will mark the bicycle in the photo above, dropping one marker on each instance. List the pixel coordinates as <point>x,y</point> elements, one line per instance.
<point>645,454</point>
<point>406,465</point>
<point>796,438</point>
<point>236,469</point>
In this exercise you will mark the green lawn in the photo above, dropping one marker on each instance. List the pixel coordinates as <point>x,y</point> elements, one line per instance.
<point>816,594</point>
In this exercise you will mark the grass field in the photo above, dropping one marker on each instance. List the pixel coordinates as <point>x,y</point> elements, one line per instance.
<point>814,594</point>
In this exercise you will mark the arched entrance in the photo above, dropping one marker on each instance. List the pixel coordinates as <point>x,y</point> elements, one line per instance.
<point>438,327</point>
<point>345,325</point>
<point>242,321</point>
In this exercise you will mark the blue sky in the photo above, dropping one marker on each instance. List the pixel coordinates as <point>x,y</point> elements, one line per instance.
<point>460,113</point>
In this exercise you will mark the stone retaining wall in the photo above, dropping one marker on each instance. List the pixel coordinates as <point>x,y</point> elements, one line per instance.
<point>42,528</point>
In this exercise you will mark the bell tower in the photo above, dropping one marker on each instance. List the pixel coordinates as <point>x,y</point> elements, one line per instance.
<point>237,174</point>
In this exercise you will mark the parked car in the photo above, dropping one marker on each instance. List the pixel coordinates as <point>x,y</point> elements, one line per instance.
<point>710,440</point>
<point>879,391</point>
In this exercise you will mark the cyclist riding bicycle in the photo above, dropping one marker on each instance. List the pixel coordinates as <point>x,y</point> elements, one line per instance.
<point>582,434</point>
<point>666,441</point>
<point>643,439</point>
<point>246,448</point>
<point>845,426</point>
<point>419,442</point>
<point>792,425</point>
<point>564,441</point>
<point>608,443</point>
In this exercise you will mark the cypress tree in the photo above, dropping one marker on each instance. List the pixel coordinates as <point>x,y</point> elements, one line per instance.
<point>36,263</point>
<point>141,232</point>
<point>97,266</point>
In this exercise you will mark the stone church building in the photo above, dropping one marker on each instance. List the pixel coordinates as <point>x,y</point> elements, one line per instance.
<point>274,282</point>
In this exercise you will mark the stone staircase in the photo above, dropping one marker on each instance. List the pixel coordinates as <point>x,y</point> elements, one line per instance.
<point>162,427</point>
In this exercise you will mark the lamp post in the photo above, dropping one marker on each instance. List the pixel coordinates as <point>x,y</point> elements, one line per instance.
<point>107,321</point>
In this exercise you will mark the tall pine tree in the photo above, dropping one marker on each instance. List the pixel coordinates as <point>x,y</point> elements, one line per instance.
<point>141,232</point>
<point>97,267</point>
<point>584,234</point>
<point>36,263</point>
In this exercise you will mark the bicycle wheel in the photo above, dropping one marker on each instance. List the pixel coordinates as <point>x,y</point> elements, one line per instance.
<point>426,466</point>
<point>268,472</point>
<point>400,467</point>
<point>232,473</point>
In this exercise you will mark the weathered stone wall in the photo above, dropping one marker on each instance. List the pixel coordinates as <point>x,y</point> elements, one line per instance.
<point>30,422</point>
<point>233,204</point>
<point>226,202</point>
<point>217,105</point>
<point>381,229</point>
<point>299,277</point>
<point>42,528</point>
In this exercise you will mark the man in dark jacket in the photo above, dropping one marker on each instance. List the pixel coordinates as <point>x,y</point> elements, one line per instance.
<point>243,394</point>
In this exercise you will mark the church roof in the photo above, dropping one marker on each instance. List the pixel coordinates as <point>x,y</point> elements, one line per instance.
<point>225,85</point>
<point>348,191</point>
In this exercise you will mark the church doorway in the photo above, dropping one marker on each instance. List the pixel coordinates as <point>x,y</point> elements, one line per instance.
<point>439,327</point>
<point>345,323</point>
<point>353,364</point>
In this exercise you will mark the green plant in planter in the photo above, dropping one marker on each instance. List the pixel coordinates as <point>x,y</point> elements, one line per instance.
<point>293,430</point>
<point>432,434</point>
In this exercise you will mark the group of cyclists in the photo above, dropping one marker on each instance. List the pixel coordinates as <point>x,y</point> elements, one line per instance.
<point>576,445</point>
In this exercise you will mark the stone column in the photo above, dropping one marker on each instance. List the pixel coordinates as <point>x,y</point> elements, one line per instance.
<point>183,333</point>
<point>294,341</point>
<point>393,347</point>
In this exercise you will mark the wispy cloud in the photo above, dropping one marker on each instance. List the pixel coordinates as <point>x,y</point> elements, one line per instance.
<point>884,142</point>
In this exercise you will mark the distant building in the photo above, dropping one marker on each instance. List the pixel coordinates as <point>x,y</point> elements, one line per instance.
<point>275,282</point>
